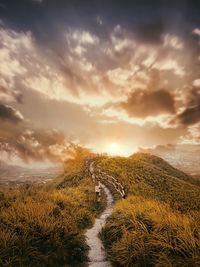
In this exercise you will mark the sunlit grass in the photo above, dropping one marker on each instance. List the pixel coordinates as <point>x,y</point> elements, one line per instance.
<point>44,225</point>
<point>145,232</point>
<point>159,223</point>
<point>152,177</point>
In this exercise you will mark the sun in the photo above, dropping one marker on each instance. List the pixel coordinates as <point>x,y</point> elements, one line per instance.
<point>114,149</point>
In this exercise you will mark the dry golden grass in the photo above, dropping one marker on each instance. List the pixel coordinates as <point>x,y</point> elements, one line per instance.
<point>145,232</point>
<point>44,225</point>
<point>152,177</point>
<point>159,224</point>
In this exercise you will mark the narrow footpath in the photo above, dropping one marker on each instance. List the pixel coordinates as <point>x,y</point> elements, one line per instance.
<point>97,255</point>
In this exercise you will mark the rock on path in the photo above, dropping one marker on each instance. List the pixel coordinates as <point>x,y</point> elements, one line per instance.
<point>97,255</point>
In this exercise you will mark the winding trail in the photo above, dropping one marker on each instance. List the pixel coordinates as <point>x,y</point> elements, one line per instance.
<point>97,255</point>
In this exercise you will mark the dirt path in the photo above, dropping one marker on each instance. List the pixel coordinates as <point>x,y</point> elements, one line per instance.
<point>97,255</point>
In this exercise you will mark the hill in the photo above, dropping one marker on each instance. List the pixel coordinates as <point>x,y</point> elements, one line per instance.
<point>151,177</point>
<point>158,224</point>
<point>184,158</point>
<point>43,225</point>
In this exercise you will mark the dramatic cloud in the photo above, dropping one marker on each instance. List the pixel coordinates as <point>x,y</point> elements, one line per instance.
<point>7,95</point>
<point>172,41</point>
<point>81,38</point>
<point>190,115</point>
<point>151,32</point>
<point>32,144</point>
<point>192,135</point>
<point>8,113</point>
<point>94,72</point>
<point>143,104</point>
<point>196,31</point>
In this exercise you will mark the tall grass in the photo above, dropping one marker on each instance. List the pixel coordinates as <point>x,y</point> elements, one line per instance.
<point>159,223</point>
<point>145,232</point>
<point>152,177</point>
<point>43,225</point>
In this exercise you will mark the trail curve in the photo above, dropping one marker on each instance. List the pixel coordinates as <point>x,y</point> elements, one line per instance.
<point>97,255</point>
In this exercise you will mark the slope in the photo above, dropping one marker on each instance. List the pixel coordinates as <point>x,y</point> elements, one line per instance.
<point>43,225</point>
<point>159,223</point>
<point>151,177</point>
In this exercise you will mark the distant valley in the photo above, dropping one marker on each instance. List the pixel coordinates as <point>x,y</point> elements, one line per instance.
<point>15,175</point>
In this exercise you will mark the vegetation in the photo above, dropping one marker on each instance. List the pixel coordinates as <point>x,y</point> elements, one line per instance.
<point>145,232</point>
<point>151,177</point>
<point>158,224</point>
<point>43,225</point>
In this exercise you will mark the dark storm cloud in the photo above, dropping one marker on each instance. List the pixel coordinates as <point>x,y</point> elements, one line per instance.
<point>141,103</point>
<point>7,113</point>
<point>36,145</point>
<point>46,18</point>
<point>191,113</point>
<point>19,137</point>
<point>43,143</point>
<point>32,144</point>
<point>151,32</point>
<point>189,116</point>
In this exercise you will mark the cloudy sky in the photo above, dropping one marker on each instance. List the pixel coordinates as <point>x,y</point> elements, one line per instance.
<point>97,73</point>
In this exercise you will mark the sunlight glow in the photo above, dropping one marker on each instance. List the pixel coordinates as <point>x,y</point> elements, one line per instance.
<point>114,149</point>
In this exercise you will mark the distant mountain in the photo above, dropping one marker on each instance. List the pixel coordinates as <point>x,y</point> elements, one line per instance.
<point>186,158</point>
<point>7,167</point>
<point>159,149</point>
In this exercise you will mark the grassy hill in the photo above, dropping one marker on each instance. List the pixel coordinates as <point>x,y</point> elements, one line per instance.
<point>44,225</point>
<point>151,177</point>
<point>159,223</point>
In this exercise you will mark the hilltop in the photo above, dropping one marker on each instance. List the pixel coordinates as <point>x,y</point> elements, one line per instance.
<point>158,223</point>
<point>151,177</point>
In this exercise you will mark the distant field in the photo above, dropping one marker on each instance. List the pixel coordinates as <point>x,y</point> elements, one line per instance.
<point>15,175</point>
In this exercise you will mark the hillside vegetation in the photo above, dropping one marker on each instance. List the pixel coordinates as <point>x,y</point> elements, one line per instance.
<point>159,223</point>
<point>151,177</point>
<point>144,232</point>
<point>43,225</point>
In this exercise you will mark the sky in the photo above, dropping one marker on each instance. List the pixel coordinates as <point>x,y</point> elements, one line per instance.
<point>112,76</point>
